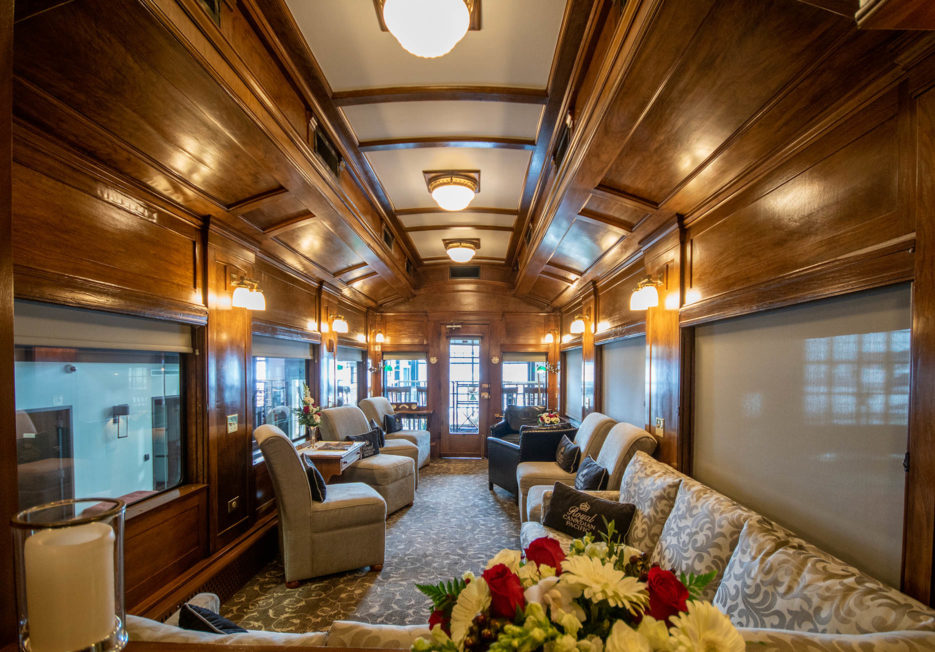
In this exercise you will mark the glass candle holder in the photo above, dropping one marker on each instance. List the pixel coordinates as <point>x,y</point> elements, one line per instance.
<point>69,576</point>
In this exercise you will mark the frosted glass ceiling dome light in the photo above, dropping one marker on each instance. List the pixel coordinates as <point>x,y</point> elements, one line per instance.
<point>427,28</point>
<point>460,252</point>
<point>453,192</point>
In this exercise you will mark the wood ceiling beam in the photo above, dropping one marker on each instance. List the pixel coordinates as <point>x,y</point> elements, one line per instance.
<point>476,259</point>
<point>603,218</point>
<point>477,142</point>
<point>362,277</point>
<point>846,8</point>
<point>470,209</point>
<point>446,227</point>
<point>625,198</point>
<point>556,277</point>
<point>250,203</point>
<point>288,225</point>
<point>442,92</point>
<point>348,270</point>
<point>564,268</point>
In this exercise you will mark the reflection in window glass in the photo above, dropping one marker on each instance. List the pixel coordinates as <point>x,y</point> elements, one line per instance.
<point>349,365</point>
<point>464,381</point>
<point>96,423</point>
<point>279,383</point>
<point>524,383</point>
<point>405,379</point>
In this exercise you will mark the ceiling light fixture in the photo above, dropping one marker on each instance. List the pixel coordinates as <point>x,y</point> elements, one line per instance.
<point>427,28</point>
<point>460,251</point>
<point>645,295</point>
<point>453,192</point>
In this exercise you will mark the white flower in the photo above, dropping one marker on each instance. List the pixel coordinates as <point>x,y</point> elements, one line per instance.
<point>600,581</point>
<point>529,574</point>
<point>596,550</point>
<point>656,632</point>
<point>624,639</point>
<point>591,644</point>
<point>559,597</point>
<point>562,644</point>
<point>467,576</point>
<point>473,599</point>
<point>705,629</point>
<point>510,558</point>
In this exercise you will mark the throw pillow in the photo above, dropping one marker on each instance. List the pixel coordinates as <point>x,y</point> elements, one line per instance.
<point>577,513</point>
<point>371,440</point>
<point>199,619</point>
<point>567,454</point>
<point>591,476</point>
<point>374,424</point>
<point>391,423</point>
<point>317,482</point>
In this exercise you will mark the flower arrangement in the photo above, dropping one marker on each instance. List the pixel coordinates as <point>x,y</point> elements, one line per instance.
<point>549,419</point>
<point>602,596</point>
<point>309,414</point>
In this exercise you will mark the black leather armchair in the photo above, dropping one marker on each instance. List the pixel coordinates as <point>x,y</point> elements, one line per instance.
<point>506,448</point>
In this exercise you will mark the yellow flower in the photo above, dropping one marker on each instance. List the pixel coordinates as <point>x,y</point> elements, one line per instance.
<point>624,639</point>
<point>656,632</point>
<point>703,628</point>
<point>473,599</point>
<point>601,581</point>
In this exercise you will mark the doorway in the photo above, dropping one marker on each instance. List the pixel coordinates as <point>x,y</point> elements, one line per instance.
<point>466,392</point>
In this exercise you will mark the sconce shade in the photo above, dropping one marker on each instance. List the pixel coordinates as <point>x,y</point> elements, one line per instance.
<point>361,338</point>
<point>645,296</point>
<point>339,324</point>
<point>240,298</point>
<point>379,339</point>
<point>577,325</point>
<point>256,300</point>
<point>549,338</point>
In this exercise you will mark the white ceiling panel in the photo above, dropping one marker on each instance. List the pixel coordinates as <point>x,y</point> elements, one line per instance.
<point>514,47</point>
<point>501,179</point>
<point>453,219</point>
<point>393,120</point>
<point>493,244</point>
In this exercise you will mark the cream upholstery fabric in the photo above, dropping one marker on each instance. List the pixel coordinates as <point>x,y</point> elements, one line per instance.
<point>530,474</point>
<point>776,580</point>
<point>619,447</point>
<point>403,448</point>
<point>781,640</point>
<point>700,533</point>
<point>532,530</point>
<point>651,486</point>
<point>340,422</point>
<point>350,634</point>
<point>144,629</point>
<point>377,407</point>
<point>592,432</point>
<point>312,536</point>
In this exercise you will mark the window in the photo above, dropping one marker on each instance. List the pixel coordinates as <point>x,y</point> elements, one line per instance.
<point>405,378</point>
<point>464,381</point>
<point>98,404</point>
<point>624,386</point>
<point>524,379</point>
<point>280,372</point>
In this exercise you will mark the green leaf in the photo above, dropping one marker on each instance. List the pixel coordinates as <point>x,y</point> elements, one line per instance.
<point>696,583</point>
<point>444,594</point>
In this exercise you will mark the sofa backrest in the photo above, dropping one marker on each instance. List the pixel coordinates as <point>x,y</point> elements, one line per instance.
<point>517,416</point>
<point>651,486</point>
<point>592,432</point>
<point>775,579</point>
<point>620,445</point>
<point>376,408</point>
<point>340,422</point>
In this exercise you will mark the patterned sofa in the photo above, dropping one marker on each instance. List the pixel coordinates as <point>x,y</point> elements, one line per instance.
<point>784,593</point>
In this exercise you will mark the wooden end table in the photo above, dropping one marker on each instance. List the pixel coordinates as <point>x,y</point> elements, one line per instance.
<point>332,461</point>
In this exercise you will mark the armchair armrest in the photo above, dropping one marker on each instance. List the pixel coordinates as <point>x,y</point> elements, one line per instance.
<point>500,428</point>
<point>539,445</point>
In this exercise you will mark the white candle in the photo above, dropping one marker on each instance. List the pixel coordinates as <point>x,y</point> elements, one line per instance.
<point>70,587</point>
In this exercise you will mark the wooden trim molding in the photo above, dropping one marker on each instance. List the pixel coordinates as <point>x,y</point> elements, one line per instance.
<point>269,329</point>
<point>466,93</point>
<point>445,227</point>
<point>442,211</point>
<point>476,142</point>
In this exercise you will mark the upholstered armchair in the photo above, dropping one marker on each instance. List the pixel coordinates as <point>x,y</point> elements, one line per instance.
<point>393,472</point>
<point>530,444</point>
<point>378,407</point>
<point>590,437</point>
<point>313,536</point>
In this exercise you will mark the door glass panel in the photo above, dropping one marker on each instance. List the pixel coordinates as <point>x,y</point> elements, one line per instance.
<point>464,385</point>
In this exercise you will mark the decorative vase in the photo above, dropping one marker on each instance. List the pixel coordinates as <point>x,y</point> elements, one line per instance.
<point>69,576</point>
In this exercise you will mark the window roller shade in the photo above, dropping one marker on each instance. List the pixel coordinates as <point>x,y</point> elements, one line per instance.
<point>524,357</point>
<point>274,347</point>
<point>41,324</point>
<point>412,355</point>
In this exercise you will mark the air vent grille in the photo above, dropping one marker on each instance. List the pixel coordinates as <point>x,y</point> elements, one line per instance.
<point>325,148</point>
<point>464,271</point>
<point>561,143</point>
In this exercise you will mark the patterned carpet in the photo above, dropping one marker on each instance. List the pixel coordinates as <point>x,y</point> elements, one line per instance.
<point>456,524</point>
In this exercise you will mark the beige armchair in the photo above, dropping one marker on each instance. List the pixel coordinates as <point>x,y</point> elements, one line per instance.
<point>313,536</point>
<point>393,473</point>
<point>377,407</point>
<point>591,434</point>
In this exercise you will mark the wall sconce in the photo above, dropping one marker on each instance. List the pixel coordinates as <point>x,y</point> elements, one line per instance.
<point>433,360</point>
<point>577,324</point>
<point>379,338</point>
<point>645,295</point>
<point>361,338</point>
<point>548,338</point>
<point>339,324</point>
<point>120,411</point>
<point>247,293</point>
<point>566,338</point>
<point>495,359</point>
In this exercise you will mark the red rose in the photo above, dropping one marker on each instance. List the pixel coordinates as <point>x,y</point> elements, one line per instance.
<point>305,409</point>
<point>548,551</point>
<point>438,617</point>
<point>506,591</point>
<point>667,595</point>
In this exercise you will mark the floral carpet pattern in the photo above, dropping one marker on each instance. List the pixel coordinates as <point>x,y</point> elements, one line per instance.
<point>455,524</point>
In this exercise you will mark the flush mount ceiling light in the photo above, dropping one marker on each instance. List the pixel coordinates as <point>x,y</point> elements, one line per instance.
<point>645,295</point>
<point>453,190</point>
<point>427,28</point>
<point>461,251</point>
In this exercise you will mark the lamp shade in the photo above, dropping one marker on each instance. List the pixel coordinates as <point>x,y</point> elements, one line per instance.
<point>460,252</point>
<point>241,297</point>
<point>379,338</point>
<point>549,338</point>
<point>453,192</point>
<point>577,325</point>
<point>644,297</point>
<point>427,28</point>
<point>339,324</point>
<point>256,300</point>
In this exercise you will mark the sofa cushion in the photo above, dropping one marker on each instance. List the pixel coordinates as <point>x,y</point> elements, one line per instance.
<point>777,580</point>
<point>591,476</point>
<point>539,497</point>
<point>651,486</point>
<point>621,444</point>
<point>530,474</point>
<point>316,482</point>
<point>200,619</point>
<point>348,505</point>
<point>350,634</point>
<point>784,640</point>
<point>567,455</point>
<point>700,533</point>
<point>144,629</point>
<point>421,438</point>
<point>380,469</point>
<point>370,441</point>
<point>391,424</point>
<point>592,432</point>
<point>579,513</point>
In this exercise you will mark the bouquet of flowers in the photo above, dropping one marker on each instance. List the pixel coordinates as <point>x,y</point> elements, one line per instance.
<point>309,413</point>
<point>601,597</point>
<point>549,419</point>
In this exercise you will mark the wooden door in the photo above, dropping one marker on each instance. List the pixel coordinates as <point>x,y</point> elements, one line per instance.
<point>465,395</point>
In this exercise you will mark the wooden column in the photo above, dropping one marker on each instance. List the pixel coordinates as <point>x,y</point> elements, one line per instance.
<point>8,484</point>
<point>589,312</point>
<point>919,529</point>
